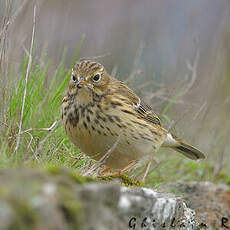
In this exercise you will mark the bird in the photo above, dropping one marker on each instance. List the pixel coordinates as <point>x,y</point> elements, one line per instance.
<point>100,112</point>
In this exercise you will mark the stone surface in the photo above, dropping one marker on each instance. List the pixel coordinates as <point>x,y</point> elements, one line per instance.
<point>59,199</point>
<point>144,208</point>
<point>210,201</point>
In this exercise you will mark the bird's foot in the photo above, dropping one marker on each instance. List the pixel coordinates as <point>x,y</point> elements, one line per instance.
<point>118,173</point>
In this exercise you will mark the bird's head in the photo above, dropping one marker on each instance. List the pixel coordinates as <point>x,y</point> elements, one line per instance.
<point>88,76</point>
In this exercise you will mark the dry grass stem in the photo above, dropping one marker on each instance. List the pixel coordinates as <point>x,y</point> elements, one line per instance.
<point>135,70</point>
<point>4,32</point>
<point>26,80</point>
<point>168,99</point>
<point>114,71</point>
<point>14,16</point>
<point>3,123</point>
<point>42,142</point>
<point>174,123</point>
<point>227,100</point>
<point>200,110</point>
<point>38,129</point>
<point>193,68</point>
<point>152,168</point>
<point>147,171</point>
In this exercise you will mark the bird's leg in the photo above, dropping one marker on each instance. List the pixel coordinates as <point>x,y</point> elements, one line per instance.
<point>105,170</point>
<point>125,169</point>
<point>129,166</point>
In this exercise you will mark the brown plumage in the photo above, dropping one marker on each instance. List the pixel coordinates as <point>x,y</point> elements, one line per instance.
<point>98,109</point>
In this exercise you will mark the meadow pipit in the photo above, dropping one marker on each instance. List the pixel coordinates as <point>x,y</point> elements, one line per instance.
<point>98,109</point>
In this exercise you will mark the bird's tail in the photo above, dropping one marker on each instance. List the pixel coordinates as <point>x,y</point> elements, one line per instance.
<point>182,147</point>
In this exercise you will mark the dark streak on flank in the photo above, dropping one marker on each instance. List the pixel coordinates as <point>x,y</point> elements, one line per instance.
<point>110,118</point>
<point>98,131</point>
<point>72,120</point>
<point>102,126</point>
<point>119,125</point>
<point>76,115</point>
<point>128,112</point>
<point>85,125</point>
<point>114,104</point>
<point>88,118</point>
<point>108,128</point>
<point>66,108</point>
<point>90,111</point>
<point>110,131</point>
<point>83,112</point>
<point>96,121</point>
<point>117,118</point>
<point>100,117</point>
<point>135,137</point>
<point>145,137</point>
<point>99,107</point>
<point>70,130</point>
<point>155,133</point>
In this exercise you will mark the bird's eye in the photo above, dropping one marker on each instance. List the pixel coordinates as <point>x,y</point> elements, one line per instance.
<point>97,77</point>
<point>74,78</point>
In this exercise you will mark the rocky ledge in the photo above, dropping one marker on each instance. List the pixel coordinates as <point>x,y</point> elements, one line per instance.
<point>59,199</point>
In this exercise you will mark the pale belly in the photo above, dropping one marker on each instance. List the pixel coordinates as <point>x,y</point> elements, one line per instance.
<point>95,143</point>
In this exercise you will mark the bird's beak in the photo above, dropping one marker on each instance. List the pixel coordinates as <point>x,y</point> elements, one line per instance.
<point>81,82</point>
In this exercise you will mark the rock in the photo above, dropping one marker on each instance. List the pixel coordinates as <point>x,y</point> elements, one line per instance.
<point>210,201</point>
<point>133,208</point>
<point>144,208</point>
<point>59,199</point>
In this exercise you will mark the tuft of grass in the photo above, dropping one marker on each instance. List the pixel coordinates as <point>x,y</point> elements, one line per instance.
<point>42,109</point>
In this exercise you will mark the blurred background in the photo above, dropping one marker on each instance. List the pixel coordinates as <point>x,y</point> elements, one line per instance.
<point>174,54</point>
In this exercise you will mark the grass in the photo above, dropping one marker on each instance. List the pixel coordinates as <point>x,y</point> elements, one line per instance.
<point>42,148</point>
<point>42,108</point>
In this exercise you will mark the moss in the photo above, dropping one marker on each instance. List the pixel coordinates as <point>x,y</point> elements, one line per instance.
<point>83,179</point>
<point>58,170</point>
<point>125,180</point>
<point>53,169</point>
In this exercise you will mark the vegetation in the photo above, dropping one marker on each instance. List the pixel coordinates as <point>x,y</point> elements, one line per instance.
<point>32,134</point>
<point>41,146</point>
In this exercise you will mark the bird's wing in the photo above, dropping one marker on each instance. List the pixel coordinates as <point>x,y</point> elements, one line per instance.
<point>144,110</point>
